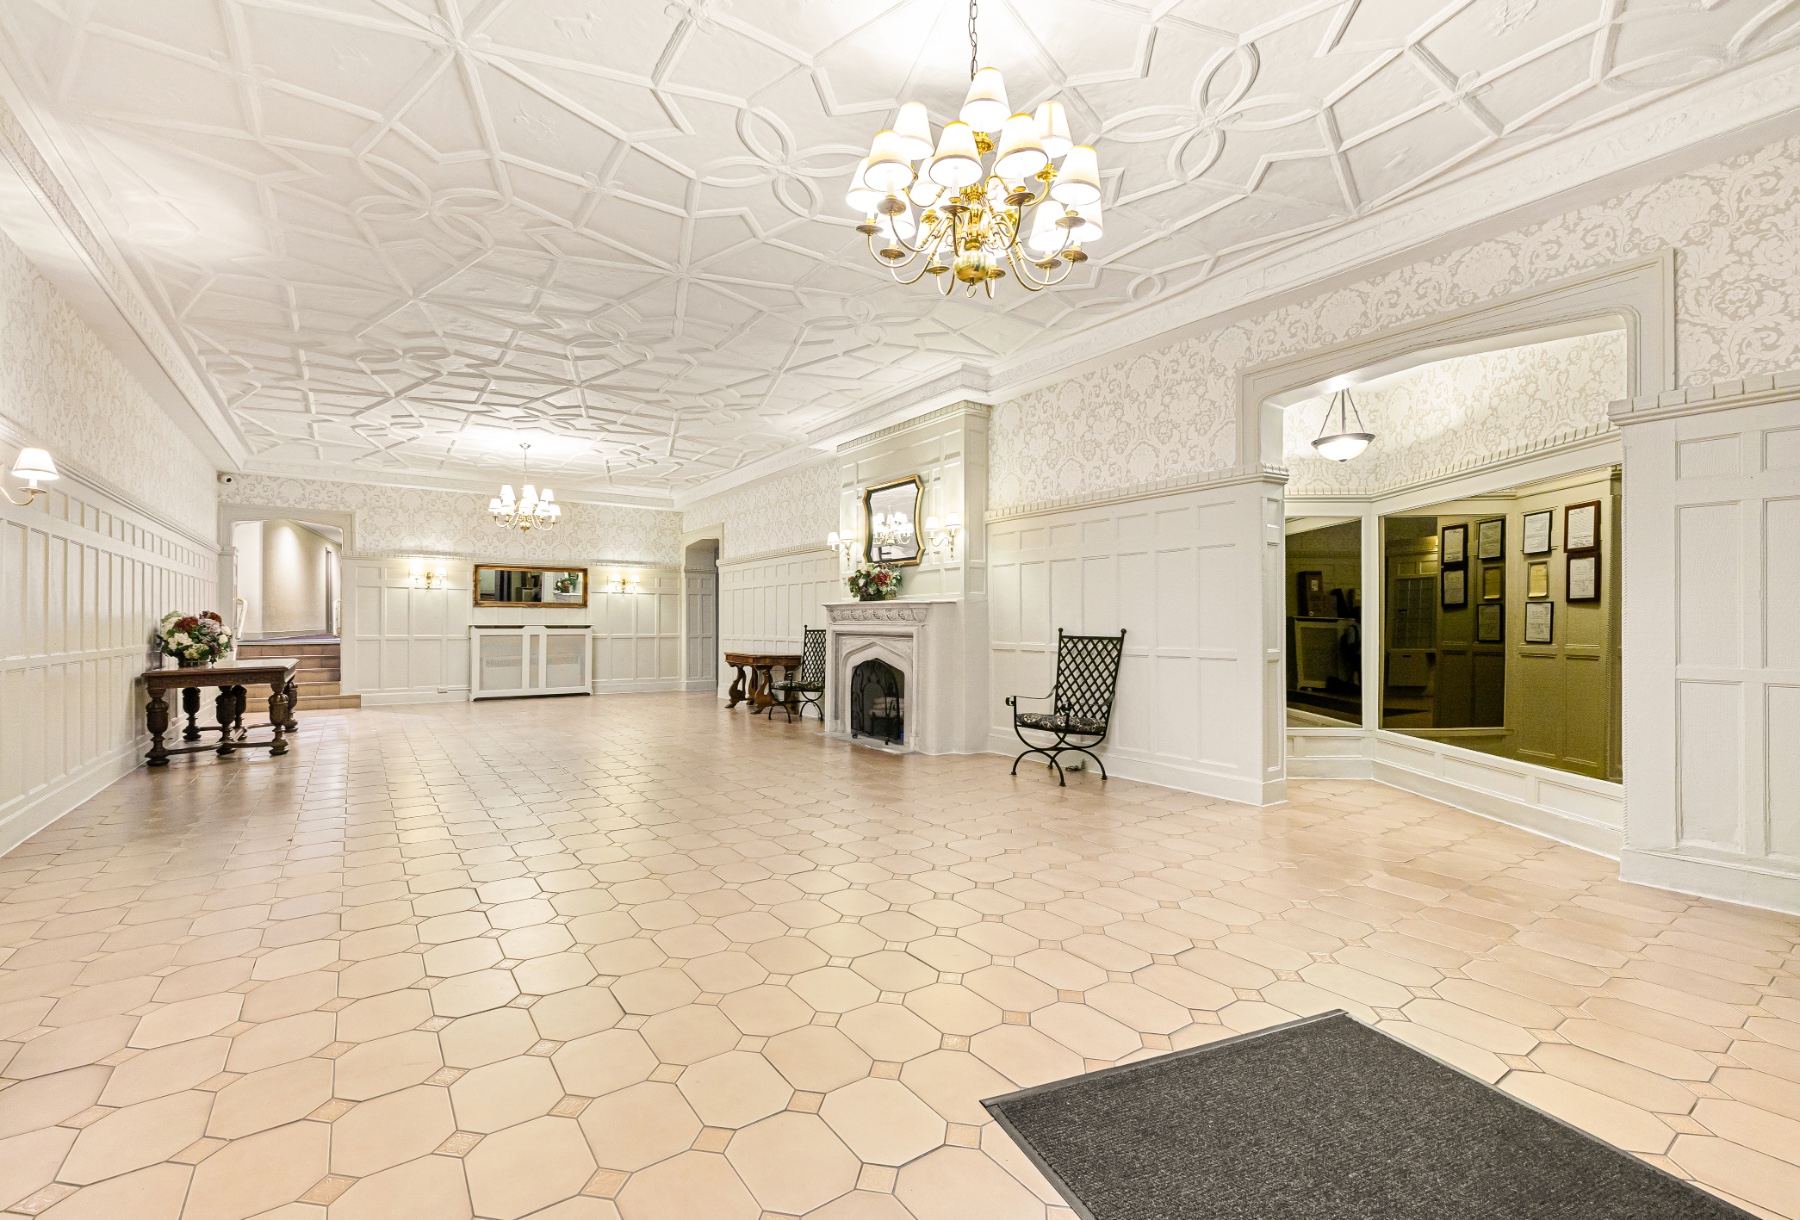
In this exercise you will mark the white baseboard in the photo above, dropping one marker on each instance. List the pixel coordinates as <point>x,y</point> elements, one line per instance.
<point>399,698</point>
<point>700,685</point>
<point>33,814</point>
<point>1329,767</point>
<point>1561,825</point>
<point>1181,777</point>
<point>1743,884</point>
<point>633,686</point>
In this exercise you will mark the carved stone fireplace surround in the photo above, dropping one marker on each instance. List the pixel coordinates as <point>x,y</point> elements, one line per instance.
<point>923,638</point>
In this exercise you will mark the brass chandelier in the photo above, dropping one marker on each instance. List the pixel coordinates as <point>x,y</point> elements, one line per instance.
<point>979,214</point>
<point>532,511</point>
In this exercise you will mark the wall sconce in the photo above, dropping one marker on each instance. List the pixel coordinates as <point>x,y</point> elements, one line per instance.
<point>942,537</point>
<point>425,577</point>
<point>619,584</point>
<point>34,466</point>
<point>845,547</point>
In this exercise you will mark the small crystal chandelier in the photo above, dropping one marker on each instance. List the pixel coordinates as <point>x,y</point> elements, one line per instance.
<point>533,511</point>
<point>979,217</point>
<point>1343,444</point>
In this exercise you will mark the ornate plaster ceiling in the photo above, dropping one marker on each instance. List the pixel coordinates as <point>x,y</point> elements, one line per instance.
<point>401,234</point>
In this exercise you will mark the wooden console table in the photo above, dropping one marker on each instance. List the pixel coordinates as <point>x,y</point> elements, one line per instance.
<point>760,691</point>
<point>231,677</point>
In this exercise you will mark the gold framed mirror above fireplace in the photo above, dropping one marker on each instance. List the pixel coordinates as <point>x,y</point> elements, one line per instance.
<point>891,522</point>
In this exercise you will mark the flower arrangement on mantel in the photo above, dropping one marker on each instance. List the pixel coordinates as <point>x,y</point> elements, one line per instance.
<point>874,582</point>
<point>193,639</point>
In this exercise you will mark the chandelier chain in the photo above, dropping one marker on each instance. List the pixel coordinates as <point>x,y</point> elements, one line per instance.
<point>974,40</point>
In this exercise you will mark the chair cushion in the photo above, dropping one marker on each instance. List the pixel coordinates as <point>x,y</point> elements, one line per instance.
<point>1058,722</point>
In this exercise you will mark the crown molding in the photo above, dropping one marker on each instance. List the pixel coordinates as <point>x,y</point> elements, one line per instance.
<point>325,473</point>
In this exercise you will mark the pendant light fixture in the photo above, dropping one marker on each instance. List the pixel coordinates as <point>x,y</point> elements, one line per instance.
<point>1342,445</point>
<point>532,511</point>
<point>991,198</point>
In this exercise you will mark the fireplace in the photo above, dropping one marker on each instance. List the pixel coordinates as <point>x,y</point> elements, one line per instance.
<point>878,702</point>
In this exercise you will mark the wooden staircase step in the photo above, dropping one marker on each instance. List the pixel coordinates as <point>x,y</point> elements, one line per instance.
<point>308,703</point>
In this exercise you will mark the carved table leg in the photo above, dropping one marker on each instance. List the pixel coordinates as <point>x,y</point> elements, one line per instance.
<point>225,708</point>
<point>190,703</point>
<point>240,701</point>
<point>156,719</point>
<point>293,700</point>
<point>737,687</point>
<point>760,682</point>
<point>278,715</point>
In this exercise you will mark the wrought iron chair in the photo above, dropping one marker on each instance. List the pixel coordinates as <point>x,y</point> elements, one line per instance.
<point>1087,674</point>
<point>808,689</point>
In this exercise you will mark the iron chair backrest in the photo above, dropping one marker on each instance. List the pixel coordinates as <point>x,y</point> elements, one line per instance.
<point>1087,674</point>
<point>812,655</point>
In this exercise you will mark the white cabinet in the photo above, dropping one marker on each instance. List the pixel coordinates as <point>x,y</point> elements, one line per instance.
<point>506,662</point>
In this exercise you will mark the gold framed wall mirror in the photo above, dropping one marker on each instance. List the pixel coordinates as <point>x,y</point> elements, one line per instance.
<point>513,584</point>
<point>891,522</point>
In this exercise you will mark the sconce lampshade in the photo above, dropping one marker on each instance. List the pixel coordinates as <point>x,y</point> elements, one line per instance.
<point>34,466</point>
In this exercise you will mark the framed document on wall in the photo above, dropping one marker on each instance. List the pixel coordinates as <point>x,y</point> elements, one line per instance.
<point>1584,577</point>
<point>1540,622</point>
<point>1537,580</point>
<point>1581,526</point>
<point>1490,538</point>
<point>1493,582</point>
<point>1454,545</point>
<point>1490,621</point>
<point>1537,532</point>
<point>1456,588</point>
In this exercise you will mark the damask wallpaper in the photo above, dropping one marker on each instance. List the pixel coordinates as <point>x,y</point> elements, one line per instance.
<point>1455,414</point>
<point>1735,226</point>
<point>67,393</point>
<point>413,521</point>
<point>797,507</point>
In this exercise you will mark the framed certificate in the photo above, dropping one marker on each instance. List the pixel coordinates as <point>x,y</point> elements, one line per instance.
<point>1540,622</point>
<point>1584,578</point>
<point>1493,582</point>
<point>1581,526</point>
<point>1456,587</point>
<point>1490,622</point>
<point>1537,580</point>
<point>1537,532</point>
<point>1490,538</point>
<point>1454,546</point>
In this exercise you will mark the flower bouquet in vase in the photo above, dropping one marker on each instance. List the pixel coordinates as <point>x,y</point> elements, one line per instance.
<point>874,582</point>
<point>193,639</point>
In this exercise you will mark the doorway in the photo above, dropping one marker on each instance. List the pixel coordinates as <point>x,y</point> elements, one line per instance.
<point>700,576</point>
<point>288,578</point>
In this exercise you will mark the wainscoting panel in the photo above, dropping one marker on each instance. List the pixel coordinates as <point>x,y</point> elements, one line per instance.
<point>407,644</point>
<point>1712,662</point>
<point>765,604</point>
<point>1181,574</point>
<point>84,579</point>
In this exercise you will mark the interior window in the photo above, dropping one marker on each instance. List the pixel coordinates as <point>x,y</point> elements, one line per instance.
<point>1324,622</point>
<point>1501,631</point>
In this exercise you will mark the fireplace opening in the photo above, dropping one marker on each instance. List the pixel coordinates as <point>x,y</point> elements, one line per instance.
<point>878,702</point>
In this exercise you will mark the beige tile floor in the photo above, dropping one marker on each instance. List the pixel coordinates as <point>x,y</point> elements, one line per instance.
<point>640,957</point>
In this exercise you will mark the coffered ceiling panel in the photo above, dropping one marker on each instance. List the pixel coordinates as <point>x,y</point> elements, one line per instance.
<point>402,235</point>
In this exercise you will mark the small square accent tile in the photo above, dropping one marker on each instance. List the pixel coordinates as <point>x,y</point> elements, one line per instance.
<point>605,1184</point>
<point>806,1103</point>
<point>1016,1018</point>
<point>446,1076</point>
<point>1519,1063</point>
<point>333,1050</point>
<point>86,1118</point>
<point>122,1055</point>
<point>327,1189</point>
<point>570,1106</point>
<point>338,1005</point>
<point>963,1135</point>
<point>878,1178</point>
<point>667,1073</point>
<point>825,1018</point>
<point>432,1025</point>
<point>750,1042</point>
<point>332,1110</point>
<point>544,1047</point>
<point>713,1139</point>
<point>632,1020</point>
<point>460,1143</point>
<point>954,1042</point>
<point>198,1151</point>
<point>885,1071</point>
<point>1069,997</point>
<point>43,1200</point>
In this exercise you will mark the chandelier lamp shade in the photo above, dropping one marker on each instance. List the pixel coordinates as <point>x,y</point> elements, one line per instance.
<point>1344,444</point>
<point>996,193</point>
<point>534,510</point>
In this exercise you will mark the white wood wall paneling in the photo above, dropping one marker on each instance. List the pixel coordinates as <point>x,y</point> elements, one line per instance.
<point>1182,575</point>
<point>765,604</point>
<point>1712,644</point>
<point>406,644</point>
<point>83,583</point>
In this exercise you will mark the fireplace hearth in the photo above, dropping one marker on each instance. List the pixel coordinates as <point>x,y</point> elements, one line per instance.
<point>878,702</point>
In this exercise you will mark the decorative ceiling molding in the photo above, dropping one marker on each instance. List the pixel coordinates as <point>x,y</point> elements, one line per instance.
<point>396,234</point>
